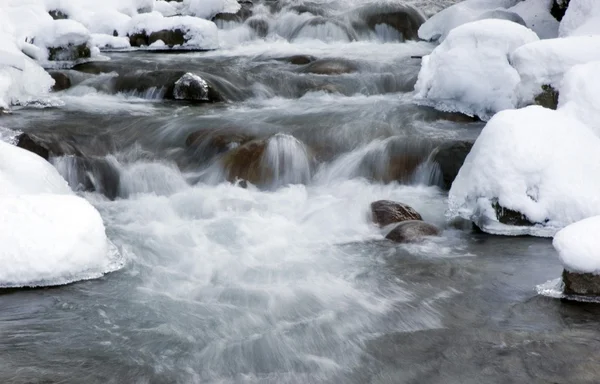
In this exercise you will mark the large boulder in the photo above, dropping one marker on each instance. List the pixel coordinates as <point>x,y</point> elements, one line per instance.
<point>192,87</point>
<point>450,158</point>
<point>412,231</point>
<point>245,162</point>
<point>386,212</point>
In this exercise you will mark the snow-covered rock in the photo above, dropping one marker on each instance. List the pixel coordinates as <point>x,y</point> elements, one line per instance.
<point>578,246</point>
<point>582,18</point>
<point>206,9</point>
<point>50,239</point>
<point>469,71</point>
<point>49,236</point>
<point>198,33</point>
<point>545,62</point>
<point>537,162</point>
<point>63,40</point>
<point>535,14</point>
<point>109,42</point>
<point>580,94</point>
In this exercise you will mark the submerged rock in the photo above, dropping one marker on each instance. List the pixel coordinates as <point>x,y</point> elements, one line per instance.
<point>205,144</point>
<point>405,19</point>
<point>90,174</point>
<point>31,144</point>
<point>450,157</point>
<point>386,212</point>
<point>259,25</point>
<point>330,67</point>
<point>581,283</point>
<point>548,98</point>
<point>298,59</point>
<point>412,231</point>
<point>245,162</point>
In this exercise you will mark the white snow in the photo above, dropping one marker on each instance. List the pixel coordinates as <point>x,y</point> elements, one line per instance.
<point>111,42</point>
<point>578,246</point>
<point>582,18</point>
<point>535,14</point>
<point>469,71</point>
<point>206,9</point>
<point>545,62</point>
<point>50,239</point>
<point>60,33</point>
<point>199,32</point>
<point>164,8</point>
<point>580,94</point>
<point>49,236</point>
<point>536,161</point>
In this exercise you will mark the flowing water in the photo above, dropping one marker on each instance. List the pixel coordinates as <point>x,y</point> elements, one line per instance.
<point>285,281</point>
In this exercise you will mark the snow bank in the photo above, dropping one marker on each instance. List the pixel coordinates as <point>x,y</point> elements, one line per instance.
<point>536,161</point>
<point>49,236</point>
<point>198,32</point>
<point>535,14</point>
<point>580,94</point>
<point>50,240</point>
<point>578,246</point>
<point>545,62</point>
<point>582,18</point>
<point>469,71</point>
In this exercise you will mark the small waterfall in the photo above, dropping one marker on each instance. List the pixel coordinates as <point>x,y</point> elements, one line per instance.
<point>93,174</point>
<point>287,159</point>
<point>151,177</point>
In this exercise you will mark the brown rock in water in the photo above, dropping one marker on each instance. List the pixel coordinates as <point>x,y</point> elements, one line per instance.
<point>581,283</point>
<point>412,231</point>
<point>299,59</point>
<point>330,67</point>
<point>245,162</point>
<point>61,81</point>
<point>386,212</point>
<point>403,18</point>
<point>450,157</point>
<point>29,143</point>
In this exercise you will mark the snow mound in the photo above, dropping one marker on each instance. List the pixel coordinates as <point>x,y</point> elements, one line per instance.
<point>582,18</point>
<point>24,172</point>
<point>49,236</point>
<point>198,32</point>
<point>469,71</point>
<point>51,240</point>
<point>535,161</point>
<point>59,33</point>
<point>109,42</point>
<point>206,9</point>
<point>545,62</point>
<point>534,14</point>
<point>580,94</point>
<point>578,246</point>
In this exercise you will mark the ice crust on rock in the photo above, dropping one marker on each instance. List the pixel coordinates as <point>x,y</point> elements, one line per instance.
<point>536,161</point>
<point>578,246</point>
<point>469,71</point>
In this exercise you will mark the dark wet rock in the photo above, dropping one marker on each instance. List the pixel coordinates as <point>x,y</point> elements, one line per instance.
<point>456,117</point>
<point>559,8</point>
<point>450,157</point>
<point>412,231</point>
<point>93,174</point>
<point>69,53</point>
<point>259,25</point>
<point>57,14</point>
<point>61,81</point>
<point>299,59</point>
<point>330,67</point>
<point>548,98</point>
<point>178,85</point>
<point>386,212</point>
<point>240,16</point>
<point>309,7</point>
<point>138,39</point>
<point>205,144</point>
<point>581,283</point>
<point>403,18</point>
<point>94,67</point>
<point>170,37</point>
<point>510,217</point>
<point>32,144</point>
<point>245,162</point>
